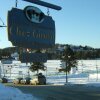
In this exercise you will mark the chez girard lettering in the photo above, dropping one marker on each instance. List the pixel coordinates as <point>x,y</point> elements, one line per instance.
<point>35,34</point>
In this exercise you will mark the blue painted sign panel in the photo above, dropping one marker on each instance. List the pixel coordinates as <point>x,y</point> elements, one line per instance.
<point>33,57</point>
<point>30,28</point>
<point>5,61</point>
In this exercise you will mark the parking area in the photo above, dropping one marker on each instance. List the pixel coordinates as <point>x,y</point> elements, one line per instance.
<point>60,92</point>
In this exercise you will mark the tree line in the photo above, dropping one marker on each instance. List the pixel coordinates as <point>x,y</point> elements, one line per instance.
<point>88,54</point>
<point>85,53</point>
<point>67,54</point>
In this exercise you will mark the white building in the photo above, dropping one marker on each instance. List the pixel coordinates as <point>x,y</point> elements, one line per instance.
<point>18,69</point>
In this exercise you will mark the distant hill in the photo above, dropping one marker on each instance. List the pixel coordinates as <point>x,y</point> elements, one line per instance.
<point>81,52</point>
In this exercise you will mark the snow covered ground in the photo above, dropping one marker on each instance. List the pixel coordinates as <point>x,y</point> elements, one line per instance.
<point>10,93</point>
<point>87,71</point>
<point>88,74</point>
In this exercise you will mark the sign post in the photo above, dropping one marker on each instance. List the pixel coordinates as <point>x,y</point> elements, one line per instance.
<point>45,4</point>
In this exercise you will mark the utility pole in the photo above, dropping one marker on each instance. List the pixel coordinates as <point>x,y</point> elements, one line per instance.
<point>0,71</point>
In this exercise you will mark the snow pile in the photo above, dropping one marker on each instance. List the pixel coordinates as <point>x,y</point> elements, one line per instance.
<point>10,93</point>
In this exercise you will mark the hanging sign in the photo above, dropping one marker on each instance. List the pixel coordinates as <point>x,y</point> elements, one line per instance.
<point>30,28</point>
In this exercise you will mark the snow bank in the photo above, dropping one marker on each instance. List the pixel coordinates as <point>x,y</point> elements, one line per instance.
<point>10,93</point>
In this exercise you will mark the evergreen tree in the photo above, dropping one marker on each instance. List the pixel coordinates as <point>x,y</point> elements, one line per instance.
<point>69,59</point>
<point>36,66</point>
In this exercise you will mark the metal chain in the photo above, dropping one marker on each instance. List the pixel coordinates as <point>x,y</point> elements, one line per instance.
<point>2,21</point>
<point>48,12</point>
<point>16,3</point>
